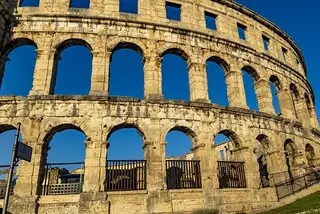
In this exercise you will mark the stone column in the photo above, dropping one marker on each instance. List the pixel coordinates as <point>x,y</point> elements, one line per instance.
<point>95,166</point>
<point>251,167</point>
<point>264,96</point>
<point>3,61</point>
<point>209,171</point>
<point>302,111</point>
<point>314,120</point>
<point>198,82</point>
<point>44,73</point>
<point>100,73</point>
<point>286,105</point>
<point>97,6</point>
<point>152,77</point>
<point>235,89</point>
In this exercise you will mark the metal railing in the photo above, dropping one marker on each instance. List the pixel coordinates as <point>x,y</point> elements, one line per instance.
<point>4,170</point>
<point>63,178</point>
<point>183,174</point>
<point>297,184</point>
<point>231,174</point>
<point>126,175</point>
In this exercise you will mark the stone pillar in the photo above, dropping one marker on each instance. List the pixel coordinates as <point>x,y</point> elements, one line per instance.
<point>209,171</point>
<point>251,167</point>
<point>198,82</point>
<point>152,77</point>
<point>235,89</point>
<point>44,77</point>
<point>100,73</point>
<point>314,120</point>
<point>264,96</point>
<point>286,105</point>
<point>302,111</point>
<point>97,6</point>
<point>95,166</point>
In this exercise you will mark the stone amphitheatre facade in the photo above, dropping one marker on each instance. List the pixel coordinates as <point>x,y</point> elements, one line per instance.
<point>289,141</point>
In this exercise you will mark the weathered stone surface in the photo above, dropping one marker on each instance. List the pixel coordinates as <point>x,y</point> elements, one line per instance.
<point>103,29</point>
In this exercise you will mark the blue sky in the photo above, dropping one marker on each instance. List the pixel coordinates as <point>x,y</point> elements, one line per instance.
<point>300,21</point>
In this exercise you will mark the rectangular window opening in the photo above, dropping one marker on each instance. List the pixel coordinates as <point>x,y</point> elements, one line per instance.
<point>29,3</point>
<point>266,42</point>
<point>128,6</point>
<point>210,20</point>
<point>242,31</point>
<point>284,53</point>
<point>173,11</point>
<point>81,4</point>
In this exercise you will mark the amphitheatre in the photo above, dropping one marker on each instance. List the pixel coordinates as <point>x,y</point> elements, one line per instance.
<point>271,158</point>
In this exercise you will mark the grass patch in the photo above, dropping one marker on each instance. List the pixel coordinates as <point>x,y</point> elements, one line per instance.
<point>308,203</point>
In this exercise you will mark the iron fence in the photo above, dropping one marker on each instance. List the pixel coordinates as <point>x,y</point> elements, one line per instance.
<point>63,178</point>
<point>126,175</point>
<point>183,174</point>
<point>231,174</point>
<point>4,171</point>
<point>297,184</point>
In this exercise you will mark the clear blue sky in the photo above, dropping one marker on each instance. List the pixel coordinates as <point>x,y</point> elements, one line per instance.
<point>300,21</point>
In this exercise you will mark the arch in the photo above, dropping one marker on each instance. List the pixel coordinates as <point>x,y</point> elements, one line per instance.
<point>60,128</point>
<point>67,74</point>
<point>234,138</point>
<point>290,151</point>
<point>191,134</point>
<point>126,125</point>
<point>174,69</point>
<point>131,74</point>
<point>275,87</point>
<point>263,140</point>
<point>252,72</point>
<point>294,98</point>
<point>310,154</point>
<point>225,66</point>
<point>309,104</point>
<point>6,127</point>
<point>260,152</point>
<point>23,54</point>
<point>216,69</point>
<point>250,77</point>
<point>176,51</point>
<point>128,45</point>
<point>17,42</point>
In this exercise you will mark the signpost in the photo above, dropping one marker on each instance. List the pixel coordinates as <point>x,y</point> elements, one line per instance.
<point>19,151</point>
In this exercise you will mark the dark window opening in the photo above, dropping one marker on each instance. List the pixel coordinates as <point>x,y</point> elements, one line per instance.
<point>266,42</point>
<point>128,6</point>
<point>210,20</point>
<point>173,11</point>
<point>29,3</point>
<point>80,4</point>
<point>284,53</point>
<point>242,31</point>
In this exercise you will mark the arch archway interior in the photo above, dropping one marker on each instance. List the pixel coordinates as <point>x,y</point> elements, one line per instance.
<point>127,72</point>
<point>72,69</point>
<point>175,70</point>
<point>18,74</point>
<point>217,87</point>
<point>249,78</point>
<point>179,143</point>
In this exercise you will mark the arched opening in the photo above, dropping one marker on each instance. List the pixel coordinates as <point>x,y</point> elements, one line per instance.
<point>290,152</point>
<point>72,68</point>
<point>182,171</point>
<point>7,137</point>
<point>217,87</point>
<point>294,97</point>
<point>226,142</point>
<point>126,167</point>
<point>126,76</point>
<point>250,76</point>
<point>64,152</point>
<point>261,152</point>
<point>309,105</point>
<point>310,155</point>
<point>231,172</point>
<point>175,77</point>
<point>17,76</point>
<point>275,87</point>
